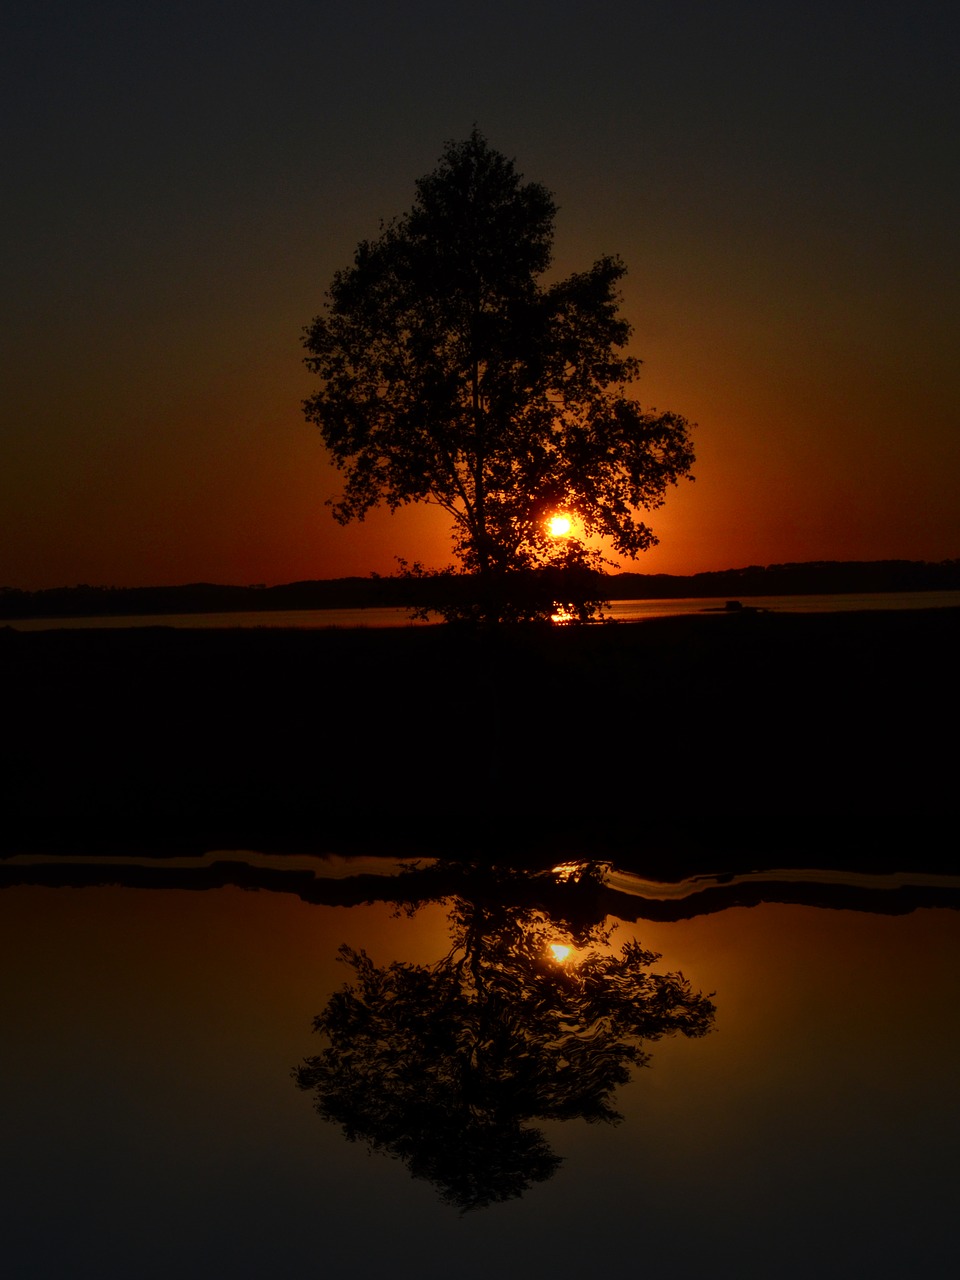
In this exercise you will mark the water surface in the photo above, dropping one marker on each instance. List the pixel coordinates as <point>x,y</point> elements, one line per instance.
<point>619,610</point>
<point>152,1126</point>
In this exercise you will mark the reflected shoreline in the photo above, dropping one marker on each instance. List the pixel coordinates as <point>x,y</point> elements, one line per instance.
<point>624,894</point>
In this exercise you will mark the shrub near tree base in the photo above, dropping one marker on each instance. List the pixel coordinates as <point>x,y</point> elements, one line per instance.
<point>450,375</point>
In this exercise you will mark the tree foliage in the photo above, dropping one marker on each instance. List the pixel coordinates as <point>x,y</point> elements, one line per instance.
<point>445,1065</point>
<point>451,373</point>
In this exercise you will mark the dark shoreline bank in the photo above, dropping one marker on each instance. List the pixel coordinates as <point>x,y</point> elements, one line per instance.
<point>675,746</point>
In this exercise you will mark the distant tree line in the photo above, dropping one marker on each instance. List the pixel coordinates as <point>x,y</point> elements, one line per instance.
<point>410,591</point>
<point>812,577</point>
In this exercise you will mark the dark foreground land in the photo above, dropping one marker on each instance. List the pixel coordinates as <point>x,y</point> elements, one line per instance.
<point>827,739</point>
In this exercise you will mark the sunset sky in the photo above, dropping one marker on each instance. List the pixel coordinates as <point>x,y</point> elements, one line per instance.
<point>181,180</point>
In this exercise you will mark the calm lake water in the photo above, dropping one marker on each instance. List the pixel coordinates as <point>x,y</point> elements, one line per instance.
<point>152,1127</point>
<point>620,610</point>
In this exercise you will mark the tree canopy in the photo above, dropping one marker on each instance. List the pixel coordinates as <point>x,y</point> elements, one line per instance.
<point>452,373</point>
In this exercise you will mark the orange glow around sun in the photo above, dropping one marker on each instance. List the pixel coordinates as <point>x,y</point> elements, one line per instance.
<point>559,526</point>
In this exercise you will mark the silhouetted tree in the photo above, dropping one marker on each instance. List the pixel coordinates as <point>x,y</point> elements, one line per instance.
<point>452,375</point>
<point>443,1065</point>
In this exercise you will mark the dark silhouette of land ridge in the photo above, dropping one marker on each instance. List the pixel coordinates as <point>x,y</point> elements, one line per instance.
<point>832,577</point>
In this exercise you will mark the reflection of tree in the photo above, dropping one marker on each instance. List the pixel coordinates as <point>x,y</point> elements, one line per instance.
<point>442,1065</point>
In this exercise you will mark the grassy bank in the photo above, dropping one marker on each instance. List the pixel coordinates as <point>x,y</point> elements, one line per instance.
<point>762,732</point>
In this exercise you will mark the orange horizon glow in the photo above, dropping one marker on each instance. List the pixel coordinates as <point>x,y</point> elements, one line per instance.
<point>804,316</point>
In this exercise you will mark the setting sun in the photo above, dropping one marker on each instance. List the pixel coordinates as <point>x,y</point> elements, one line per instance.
<point>559,526</point>
<point>559,951</point>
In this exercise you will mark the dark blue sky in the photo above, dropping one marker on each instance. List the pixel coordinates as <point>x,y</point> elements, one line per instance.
<point>181,183</point>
